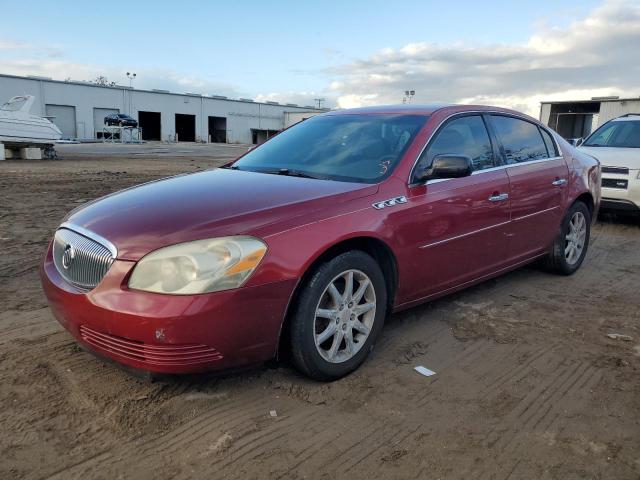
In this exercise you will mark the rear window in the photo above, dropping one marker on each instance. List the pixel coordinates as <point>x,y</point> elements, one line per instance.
<point>521,140</point>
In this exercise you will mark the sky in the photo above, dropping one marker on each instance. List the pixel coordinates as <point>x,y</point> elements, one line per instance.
<point>351,52</point>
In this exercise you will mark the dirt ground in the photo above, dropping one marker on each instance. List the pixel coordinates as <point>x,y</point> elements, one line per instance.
<point>528,383</point>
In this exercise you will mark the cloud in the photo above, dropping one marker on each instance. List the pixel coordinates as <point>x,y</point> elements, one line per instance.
<point>299,98</point>
<point>597,55</point>
<point>11,45</point>
<point>165,79</point>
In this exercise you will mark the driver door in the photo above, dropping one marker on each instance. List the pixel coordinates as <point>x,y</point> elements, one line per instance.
<point>457,228</point>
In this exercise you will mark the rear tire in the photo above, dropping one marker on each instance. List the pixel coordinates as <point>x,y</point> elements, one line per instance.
<point>571,245</point>
<point>338,316</point>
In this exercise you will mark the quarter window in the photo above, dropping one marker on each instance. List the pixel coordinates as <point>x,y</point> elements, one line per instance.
<point>548,141</point>
<point>521,140</point>
<point>463,136</point>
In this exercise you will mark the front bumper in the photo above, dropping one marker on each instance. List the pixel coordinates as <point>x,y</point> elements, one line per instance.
<point>627,197</point>
<point>169,334</point>
<point>620,205</point>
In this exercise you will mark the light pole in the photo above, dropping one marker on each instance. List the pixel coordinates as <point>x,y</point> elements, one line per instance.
<point>408,95</point>
<point>319,100</point>
<point>131,76</point>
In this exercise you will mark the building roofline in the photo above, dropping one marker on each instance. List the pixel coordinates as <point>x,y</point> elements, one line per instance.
<point>593,100</point>
<point>159,92</point>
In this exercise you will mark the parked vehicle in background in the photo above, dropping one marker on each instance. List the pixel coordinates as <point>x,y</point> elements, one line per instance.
<point>19,127</point>
<point>120,120</point>
<point>617,145</point>
<point>310,240</point>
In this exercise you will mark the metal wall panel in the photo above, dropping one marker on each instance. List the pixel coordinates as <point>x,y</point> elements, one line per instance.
<point>64,117</point>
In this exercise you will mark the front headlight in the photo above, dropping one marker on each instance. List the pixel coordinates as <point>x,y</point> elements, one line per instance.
<point>199,267</point>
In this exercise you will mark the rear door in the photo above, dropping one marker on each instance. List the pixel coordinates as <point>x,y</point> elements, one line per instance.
<point>538,178</point>
<point>456,227</point>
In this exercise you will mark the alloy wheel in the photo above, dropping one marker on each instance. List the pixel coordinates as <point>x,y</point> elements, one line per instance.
<point>575,238</point>
<point>344,316</point>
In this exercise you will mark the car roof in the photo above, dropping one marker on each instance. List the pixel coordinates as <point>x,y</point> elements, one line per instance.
<point>632,117</point>
<point>392,109</point>
<point>418,109</point>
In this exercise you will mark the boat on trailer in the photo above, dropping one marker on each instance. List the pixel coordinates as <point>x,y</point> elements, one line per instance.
<point>19,127</point>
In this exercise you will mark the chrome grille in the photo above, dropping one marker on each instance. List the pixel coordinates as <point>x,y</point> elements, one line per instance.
<point>82,261</point>
<point>618,170</point>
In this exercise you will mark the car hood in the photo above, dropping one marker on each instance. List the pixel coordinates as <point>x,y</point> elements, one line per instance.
<point>208,204</point>
<point>615,157</point>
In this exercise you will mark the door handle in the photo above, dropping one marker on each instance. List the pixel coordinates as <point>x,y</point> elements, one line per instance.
<point>559,181</point>
<point>499,197</point>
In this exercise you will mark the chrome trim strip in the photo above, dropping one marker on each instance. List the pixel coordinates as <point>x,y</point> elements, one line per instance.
<point>463,235</point>
<point>535,213</point>
<point>488,112</point>
<point>93,236</point>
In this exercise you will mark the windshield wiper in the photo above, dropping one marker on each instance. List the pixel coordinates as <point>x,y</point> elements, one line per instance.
<point>298,173</point>
<point>291,173</point>
<point>281,171</point>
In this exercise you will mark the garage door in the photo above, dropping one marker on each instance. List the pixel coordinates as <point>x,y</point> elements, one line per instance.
<point>64,116</point>
<point>98,119</point>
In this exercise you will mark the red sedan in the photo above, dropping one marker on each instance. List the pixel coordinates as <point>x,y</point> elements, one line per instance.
<point>309,241</point>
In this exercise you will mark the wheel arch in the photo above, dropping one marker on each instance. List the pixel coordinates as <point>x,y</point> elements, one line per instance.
<point>587,199</point>
<point>377,248</point>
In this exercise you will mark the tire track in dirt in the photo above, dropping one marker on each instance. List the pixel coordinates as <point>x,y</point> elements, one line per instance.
<point>541,408</point>
<point>258,442</point>
<point>165,445</point>
<point>383,443</point>
<point>373,430</point>
<point>519,371</point>
<point>311,429</point>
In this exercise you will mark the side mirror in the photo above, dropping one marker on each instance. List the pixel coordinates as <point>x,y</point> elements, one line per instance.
<point>446,166</point>
<point>576,142</point>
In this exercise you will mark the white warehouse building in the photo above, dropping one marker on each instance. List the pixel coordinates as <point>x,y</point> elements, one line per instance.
<point>578,118</point>
<point>79,108</point>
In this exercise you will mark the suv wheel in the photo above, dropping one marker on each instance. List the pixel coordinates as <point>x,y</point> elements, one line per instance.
<point>570,247</point>
<point>338,316</point>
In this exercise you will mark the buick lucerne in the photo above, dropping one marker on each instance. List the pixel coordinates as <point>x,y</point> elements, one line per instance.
<point>306,243</point>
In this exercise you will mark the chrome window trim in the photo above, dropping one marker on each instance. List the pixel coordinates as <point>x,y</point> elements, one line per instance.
<point>493,169</point>
<point>93,236</point>
<point>481,112</point>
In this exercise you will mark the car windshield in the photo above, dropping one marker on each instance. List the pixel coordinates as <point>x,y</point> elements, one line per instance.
<point>624,134</point>
<point>350,148</point>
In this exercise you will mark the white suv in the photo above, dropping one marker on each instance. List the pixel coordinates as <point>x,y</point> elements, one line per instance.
<point>617,145</point>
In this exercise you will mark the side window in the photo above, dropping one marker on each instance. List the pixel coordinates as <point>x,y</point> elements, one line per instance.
<point>552,151</point>
<point>521,140</point>
<point>462,136</point>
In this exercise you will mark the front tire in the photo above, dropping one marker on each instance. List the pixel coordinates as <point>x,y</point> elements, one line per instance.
<point>571,245</point>
<point>338,316</point>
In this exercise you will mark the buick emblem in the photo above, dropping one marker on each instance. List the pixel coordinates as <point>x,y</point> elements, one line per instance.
<point>68,256</point>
